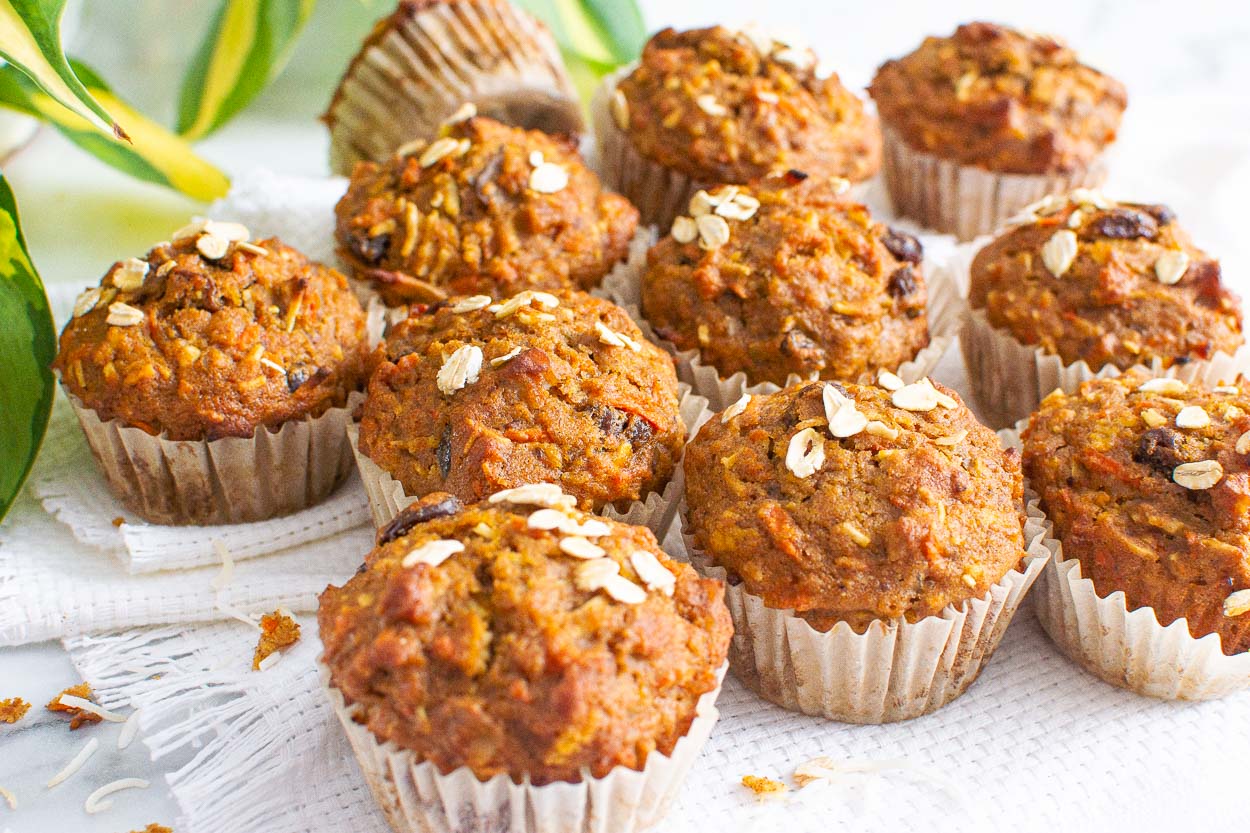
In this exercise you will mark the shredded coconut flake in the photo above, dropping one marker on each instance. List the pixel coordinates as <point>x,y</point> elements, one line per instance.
<point>86,705</point>
<point>506,357</point>
<point>129,729</point>
<point>97,803</point>
<point>9,798</point>
<point>736,408</point>
<point>76,762</point>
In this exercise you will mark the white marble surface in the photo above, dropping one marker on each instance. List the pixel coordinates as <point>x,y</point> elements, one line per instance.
<point>1186,141</point>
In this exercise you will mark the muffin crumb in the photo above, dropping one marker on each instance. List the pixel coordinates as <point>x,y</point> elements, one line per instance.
<point>278,630</point>
<point>13,709</point>
<point>78,717</point>
<point>765,789</point>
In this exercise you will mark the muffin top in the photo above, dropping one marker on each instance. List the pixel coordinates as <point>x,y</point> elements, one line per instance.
<point>852,503</point>
<point>725,106</point>
<point>1008,101</point>
<point>483,208</point>
<point>210,336</point>
<point>772,281</point>
<point>471,397</point>
<point>521,636</point>
<point>1147,482</point>
<point>1093,280</point>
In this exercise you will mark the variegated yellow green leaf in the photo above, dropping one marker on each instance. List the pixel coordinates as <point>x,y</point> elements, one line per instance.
<point>153,153</point>
<point>30,39</point>
<point>247,44</point>
<point>602,33</point>
<point>28,345</point>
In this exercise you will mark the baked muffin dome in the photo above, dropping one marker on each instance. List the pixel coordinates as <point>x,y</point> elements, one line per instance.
<point>212,336</point>
<point>848,503</point>
<point>1000,99</point>
<point>470,397</point>
<point>480,636</point>
<point>772,281</point>
<point>725,106</point>
<point>484,208</point>
<point>1093,280</point>
<point>1147,482</point>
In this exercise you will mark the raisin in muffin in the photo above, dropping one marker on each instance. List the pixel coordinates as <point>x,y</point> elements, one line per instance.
<point>1146,483</point>
<point>772,281</point>
<point>484,208</point>
<point>855,503</point>
<point>471,397</point>
<point>523,637</point>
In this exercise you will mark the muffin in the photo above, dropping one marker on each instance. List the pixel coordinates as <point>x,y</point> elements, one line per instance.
<point>1147,483</point>
<point>981,123</point>
<point>842,515</point>
<point>485,208</point>
<point>1084,280</point>
<point>722,106</point>
<point>211,376</point>
<point>470,397</point>
<point>775,282</point>
<point>412,73</point>
<point>520,641</point>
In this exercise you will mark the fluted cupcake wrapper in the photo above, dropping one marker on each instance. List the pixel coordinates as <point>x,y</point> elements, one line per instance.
<point>660,194</point>
<point>407,82</point>
<point>895,670</point>
<point>416,798</point>
<point>1010,379</point>
<point>1127,648</point>
<point>965,200</point>
<point>946,311</point>
<point>656,511</point>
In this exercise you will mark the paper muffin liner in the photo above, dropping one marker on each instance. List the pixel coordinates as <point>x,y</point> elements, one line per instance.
<point>1127,648</point>
<point>416,798</point>
<point>659,193</point>
<point>1010,379</point>
<point>224,481</point>
<point>411,76</point>
<point>966,200</point>
<point>656,511</point>
<point>945,311</point>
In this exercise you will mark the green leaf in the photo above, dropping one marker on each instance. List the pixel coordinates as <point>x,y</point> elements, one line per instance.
<point>601,34</point>
<point>153,154</point>
<point>247,45</point>
<point>28,345</point>
<point>30,39</point>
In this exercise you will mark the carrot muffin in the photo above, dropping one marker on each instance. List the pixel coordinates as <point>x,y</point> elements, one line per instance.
<point>484,208</point>
<point>993,99</point>
<point>471,397</point>
<point>519,636</point>
<point>1145,481</point>
<point>1090,279</point>
<point>855,503</point>
<point>774,281</point>
<point>718,105</point>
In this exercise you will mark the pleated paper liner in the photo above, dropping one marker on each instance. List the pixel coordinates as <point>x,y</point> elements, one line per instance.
<point>895,670</point>
<point>1010,379</point>
<point>421,64</point>
<point>1127,648</point>
<point>945,311</point>
<point>965,200</point>
<point>416,798</point>
<point>659,193</point>
<point>656,511</point>
<point>224,481</point>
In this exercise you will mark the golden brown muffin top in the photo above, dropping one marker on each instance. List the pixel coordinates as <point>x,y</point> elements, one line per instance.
<point>1090,279</point>
<point>483,208</point>
<point>1148,483</point>
<point>856,502</point>
<point>777,281</point>
<point>1001,99</point>
<point>521,636</point>
<point>727,106</point>
<point>470,397</point>
<point>211,336</point>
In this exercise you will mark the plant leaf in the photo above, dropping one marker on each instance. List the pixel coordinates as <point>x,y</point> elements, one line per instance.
<point>30,39</point>
<point>247,45</point>
<point>28,345</point>
<point>154,154</point>
<point>601,33</point>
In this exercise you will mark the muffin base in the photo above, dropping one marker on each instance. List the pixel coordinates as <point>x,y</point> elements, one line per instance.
<point>1127,648</point>
<point>965,200</point>
<point>416,798</point>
